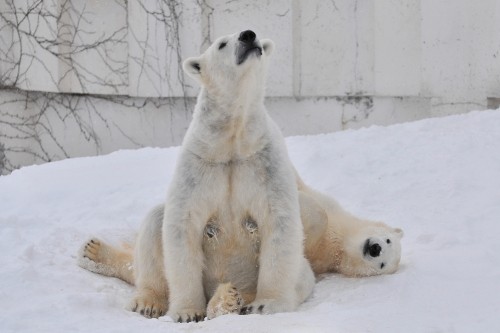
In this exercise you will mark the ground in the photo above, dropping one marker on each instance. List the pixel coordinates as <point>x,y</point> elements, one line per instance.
<point>438,179</point>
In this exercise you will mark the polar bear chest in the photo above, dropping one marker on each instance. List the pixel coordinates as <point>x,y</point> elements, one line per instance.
<point>231,255</point>
<point>237,205</point>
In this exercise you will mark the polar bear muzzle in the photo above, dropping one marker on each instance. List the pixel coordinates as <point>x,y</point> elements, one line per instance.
<point>371,248</point>
<point>247,46</point>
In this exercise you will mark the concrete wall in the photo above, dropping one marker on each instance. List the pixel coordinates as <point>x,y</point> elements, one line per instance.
<point>81,78</point>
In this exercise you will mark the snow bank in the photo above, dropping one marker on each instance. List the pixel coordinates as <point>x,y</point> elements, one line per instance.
<point>438,179</point>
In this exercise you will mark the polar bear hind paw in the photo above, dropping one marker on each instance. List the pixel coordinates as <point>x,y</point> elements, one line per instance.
<point>94,257</point>
<point>226,299</point>
<point>92,249</point>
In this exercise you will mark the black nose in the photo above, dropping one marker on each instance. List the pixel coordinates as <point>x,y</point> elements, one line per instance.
<point>247,36</point>
<point>372,249</point>
<point>375,250</point>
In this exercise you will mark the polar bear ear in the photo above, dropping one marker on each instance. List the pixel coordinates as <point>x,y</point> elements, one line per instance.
<point>267,46</point>
<point>399,232</point>
<point>192,66</point>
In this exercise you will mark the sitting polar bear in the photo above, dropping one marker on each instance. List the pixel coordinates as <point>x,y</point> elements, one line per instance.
<point>232,230</point>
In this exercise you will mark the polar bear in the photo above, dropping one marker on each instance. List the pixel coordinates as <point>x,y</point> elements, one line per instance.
<point>231,233</point>
<point>232,211</point>
<point>336,241</point>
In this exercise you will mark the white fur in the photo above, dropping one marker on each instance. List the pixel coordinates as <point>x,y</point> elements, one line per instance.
<point>233,167</point>
<point>232,215</point>
<point>335,239</point>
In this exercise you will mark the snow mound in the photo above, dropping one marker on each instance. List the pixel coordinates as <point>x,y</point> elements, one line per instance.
<point>438,179</point>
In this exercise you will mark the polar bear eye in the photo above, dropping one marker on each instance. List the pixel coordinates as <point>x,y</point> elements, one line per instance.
<point>222,45</point>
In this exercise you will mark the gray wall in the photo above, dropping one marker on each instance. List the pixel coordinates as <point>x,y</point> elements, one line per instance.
<point>81,78</point>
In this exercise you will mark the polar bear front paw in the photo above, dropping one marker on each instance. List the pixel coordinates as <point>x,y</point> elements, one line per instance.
<point>266,306</point>
<point>187,315</point>
<point>149,305</point>
<point>226,299</point>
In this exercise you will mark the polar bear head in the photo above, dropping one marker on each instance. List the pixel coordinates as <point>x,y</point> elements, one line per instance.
<point>373,249</point>
<point>232,65</point>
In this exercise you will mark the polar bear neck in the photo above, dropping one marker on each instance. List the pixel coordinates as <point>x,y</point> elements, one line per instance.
<point>234,94</point>
<point>225,129</point>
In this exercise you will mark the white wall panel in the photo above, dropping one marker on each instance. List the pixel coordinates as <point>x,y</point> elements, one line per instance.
<point>82,78</point>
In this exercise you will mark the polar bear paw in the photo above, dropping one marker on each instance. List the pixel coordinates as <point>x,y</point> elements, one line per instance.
<point>92,250</point>
<point>94,256</point>
<point>149,304</point>
<point>266,306</point>
<point>226,299</point>
<point>187,315</point>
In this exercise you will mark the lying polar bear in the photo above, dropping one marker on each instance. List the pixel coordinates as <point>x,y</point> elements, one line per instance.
<point>231,232</point>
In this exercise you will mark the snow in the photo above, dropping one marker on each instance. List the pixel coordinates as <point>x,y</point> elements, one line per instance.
<point>438,179</point>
